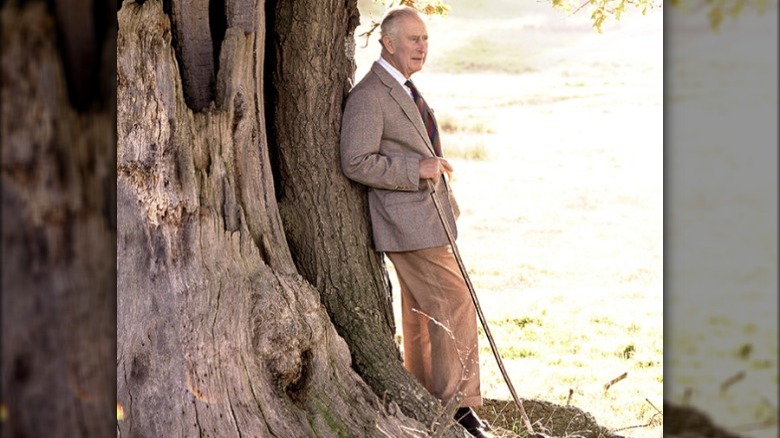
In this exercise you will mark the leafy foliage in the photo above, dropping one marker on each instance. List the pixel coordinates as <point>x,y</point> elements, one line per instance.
<point>435,7</point>
<point>427,7</point>
<point>603,10</point>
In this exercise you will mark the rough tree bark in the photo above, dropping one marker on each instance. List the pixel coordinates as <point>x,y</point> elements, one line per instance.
<point>58,219</point>
<point>325,215</point>
<point>217,332</point>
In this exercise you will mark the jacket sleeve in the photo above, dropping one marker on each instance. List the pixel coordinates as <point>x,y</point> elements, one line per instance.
<point>361,156</point>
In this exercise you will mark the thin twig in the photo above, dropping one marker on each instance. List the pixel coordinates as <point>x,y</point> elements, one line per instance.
<point>379,428</point>
<point>615,380</point>
<point>368,33</point>
<point>435,321</point>
<point>571,393</point>
<point>384,400</point>
<point>650,423</point>
<point>414,432</point>
<point>651,404</point>
<point>448,412</point>
<point>581,6</point>
<point>449,415</point>
<point>587,2</point>
<point>731,380</point>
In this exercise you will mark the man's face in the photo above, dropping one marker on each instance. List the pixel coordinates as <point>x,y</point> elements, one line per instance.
<point>408,51</point>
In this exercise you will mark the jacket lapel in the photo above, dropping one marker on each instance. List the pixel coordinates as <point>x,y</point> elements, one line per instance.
<point>399,94</point>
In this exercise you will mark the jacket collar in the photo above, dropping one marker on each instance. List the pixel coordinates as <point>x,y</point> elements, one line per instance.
<point>399,94</point>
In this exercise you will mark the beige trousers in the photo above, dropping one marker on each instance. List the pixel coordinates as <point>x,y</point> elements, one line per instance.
<point>439,324</point>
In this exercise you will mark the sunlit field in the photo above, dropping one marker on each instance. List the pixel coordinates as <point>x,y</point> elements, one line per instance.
<point>722,313</point>
<point>556,136</point>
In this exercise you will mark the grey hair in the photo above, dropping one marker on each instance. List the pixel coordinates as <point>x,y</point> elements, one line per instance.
<point>391,20</point>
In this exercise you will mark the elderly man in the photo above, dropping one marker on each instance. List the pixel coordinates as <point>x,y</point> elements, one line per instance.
<point>390,143</point>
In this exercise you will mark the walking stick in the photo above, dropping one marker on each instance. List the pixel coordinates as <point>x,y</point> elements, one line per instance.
<point>482,319</point>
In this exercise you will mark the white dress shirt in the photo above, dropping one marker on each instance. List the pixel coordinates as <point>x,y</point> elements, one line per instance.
<point>395,74</point>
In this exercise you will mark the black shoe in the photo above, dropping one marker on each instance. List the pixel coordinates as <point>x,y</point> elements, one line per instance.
<point>467,418</point>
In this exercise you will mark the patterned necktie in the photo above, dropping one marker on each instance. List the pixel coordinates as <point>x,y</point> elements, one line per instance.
<point>427,117</point>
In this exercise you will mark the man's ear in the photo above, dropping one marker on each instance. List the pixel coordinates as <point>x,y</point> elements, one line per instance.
<point>387,42</point>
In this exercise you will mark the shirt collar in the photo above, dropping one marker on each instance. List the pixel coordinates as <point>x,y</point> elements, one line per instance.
<point>397,75</point>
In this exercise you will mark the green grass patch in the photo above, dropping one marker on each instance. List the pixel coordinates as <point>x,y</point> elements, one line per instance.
<point>600,319</point>
<point>628,351</point>
<point>516,352</point>
<point>521,322</point>
<point>495,54</point>
<point>745,350</point>
<point>648,363</point>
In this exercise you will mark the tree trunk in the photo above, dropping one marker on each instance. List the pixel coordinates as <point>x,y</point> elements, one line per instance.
<point>325,216</point>
<point>217,333</point>
<point>58,220</point>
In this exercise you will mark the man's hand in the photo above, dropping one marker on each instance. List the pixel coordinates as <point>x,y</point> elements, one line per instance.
<point>433,167</point>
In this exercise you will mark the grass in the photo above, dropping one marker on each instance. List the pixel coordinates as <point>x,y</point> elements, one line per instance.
<point>494,54</point>
<point>449,124</point>
<point>467,148</point>
<point>465,137</point>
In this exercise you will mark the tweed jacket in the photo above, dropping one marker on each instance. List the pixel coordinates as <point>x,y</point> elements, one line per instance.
<point>383,139</point>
